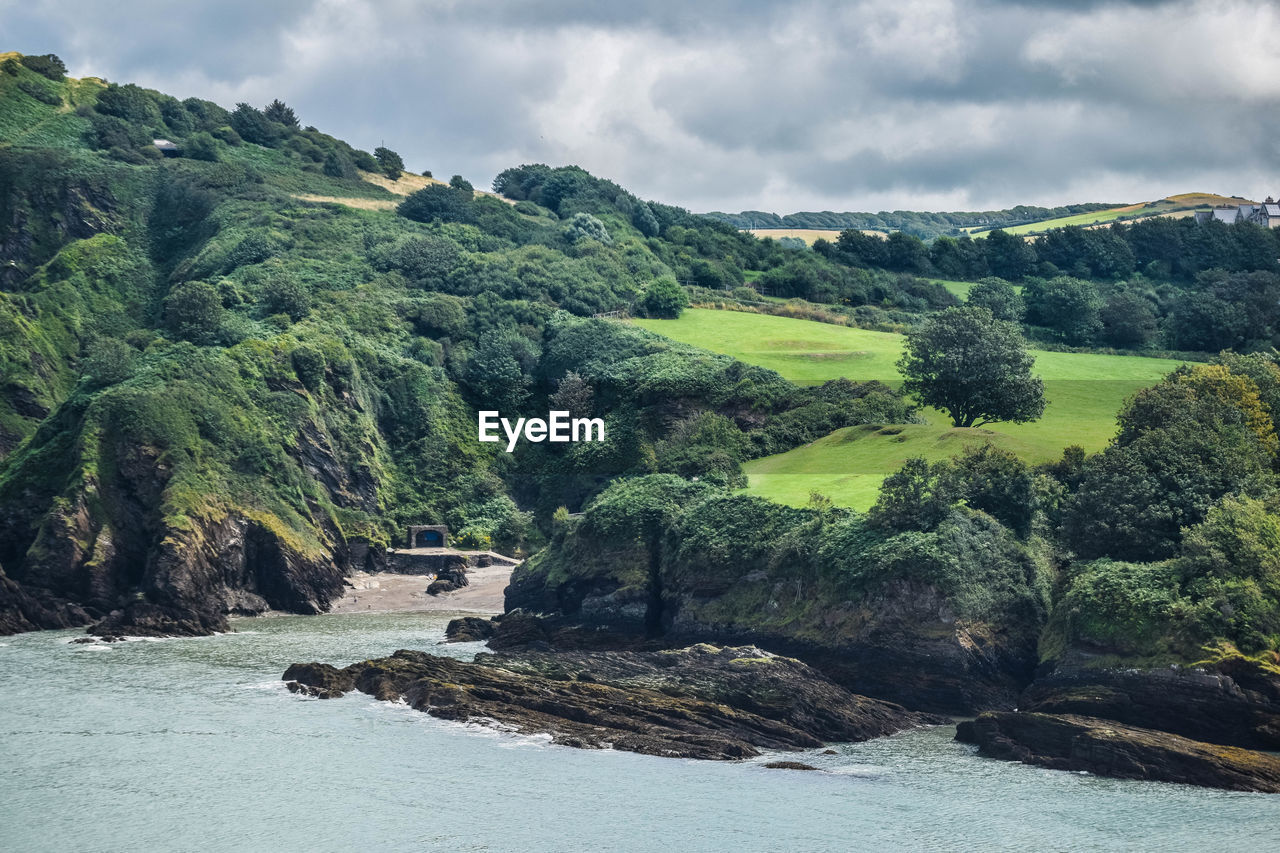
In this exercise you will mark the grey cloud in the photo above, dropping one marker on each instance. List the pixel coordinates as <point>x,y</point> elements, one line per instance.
<point>730,105</point>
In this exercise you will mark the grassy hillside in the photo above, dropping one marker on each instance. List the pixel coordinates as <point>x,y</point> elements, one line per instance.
<point>1183,204</point>
<point>1084,393</point>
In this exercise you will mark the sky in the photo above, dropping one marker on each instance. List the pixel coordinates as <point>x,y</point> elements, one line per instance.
<point>723,105</point>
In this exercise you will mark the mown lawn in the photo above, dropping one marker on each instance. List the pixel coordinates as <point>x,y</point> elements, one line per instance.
<point>1084,393</point>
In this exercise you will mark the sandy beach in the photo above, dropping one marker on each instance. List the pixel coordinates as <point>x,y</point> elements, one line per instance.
<point>384,592</point>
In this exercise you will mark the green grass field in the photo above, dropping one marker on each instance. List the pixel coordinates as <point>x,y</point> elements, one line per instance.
<point>960,289</point>
<point>1084,393</point>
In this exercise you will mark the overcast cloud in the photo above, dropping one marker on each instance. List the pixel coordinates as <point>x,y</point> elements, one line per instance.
<point>882,104</point>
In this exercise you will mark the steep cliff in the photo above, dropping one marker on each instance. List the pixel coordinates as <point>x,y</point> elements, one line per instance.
<point>944,621</point>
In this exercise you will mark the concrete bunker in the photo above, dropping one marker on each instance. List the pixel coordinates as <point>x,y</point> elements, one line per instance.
<point>428,536</point>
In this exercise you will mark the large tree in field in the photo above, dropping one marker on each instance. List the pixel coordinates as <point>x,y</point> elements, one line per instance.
<point>972,366</point>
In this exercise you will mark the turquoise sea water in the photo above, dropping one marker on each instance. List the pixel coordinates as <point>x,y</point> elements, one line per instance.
<point>194,744</point>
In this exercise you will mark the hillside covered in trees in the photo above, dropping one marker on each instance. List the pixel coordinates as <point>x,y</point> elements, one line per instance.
<point>221,396</point>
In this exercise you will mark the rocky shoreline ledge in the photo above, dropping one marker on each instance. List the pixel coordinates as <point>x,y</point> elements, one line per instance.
<point>1108,748</point>
<point>701,701</point>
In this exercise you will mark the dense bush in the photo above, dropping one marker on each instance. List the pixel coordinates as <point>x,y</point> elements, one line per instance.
<point>664,298</point>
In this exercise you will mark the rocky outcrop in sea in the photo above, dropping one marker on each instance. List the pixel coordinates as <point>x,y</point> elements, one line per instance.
<point>697,702</point>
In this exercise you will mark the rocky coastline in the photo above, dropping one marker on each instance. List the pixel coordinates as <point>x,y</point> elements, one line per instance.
<point>708,702</point>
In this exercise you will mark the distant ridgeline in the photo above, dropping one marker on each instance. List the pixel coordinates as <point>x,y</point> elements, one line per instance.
<point>921,223</point>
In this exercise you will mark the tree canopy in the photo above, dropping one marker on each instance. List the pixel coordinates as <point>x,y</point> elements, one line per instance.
<point>972,366</point>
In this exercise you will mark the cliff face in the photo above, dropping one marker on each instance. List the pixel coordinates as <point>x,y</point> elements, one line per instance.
<point>115,542</point>
<point>877,617</point>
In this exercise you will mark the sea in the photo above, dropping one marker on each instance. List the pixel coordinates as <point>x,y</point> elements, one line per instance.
<point>195,744</point>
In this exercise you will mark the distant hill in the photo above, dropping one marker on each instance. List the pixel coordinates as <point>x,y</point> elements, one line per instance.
<point>923,224</point>
<point>1023,219</point>
<point>1184,204</point>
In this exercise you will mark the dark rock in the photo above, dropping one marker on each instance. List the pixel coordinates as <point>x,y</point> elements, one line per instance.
<point>469,629</point>
<point>1235,701</point>
<point>829,752</point>
<point>449,579</point>
<point>789,765</point>
<point>26,609</point>
<point>1106,748</point>
<point>700,702</point>
<point>319,679</point>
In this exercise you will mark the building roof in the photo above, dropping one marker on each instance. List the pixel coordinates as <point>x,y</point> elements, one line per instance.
<point>1203,215</point>
<point>1226,214</point>
<point>1271,210</point>
<point>165,145</point>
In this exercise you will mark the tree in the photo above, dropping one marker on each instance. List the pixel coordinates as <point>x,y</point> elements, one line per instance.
<point>278,111</point>
<point>460,183</point>
<point>864,250</point>
<point>973,366</point>
<point>389,162</point>
<point>644,220</point>
<point>915,497</point>
<point>664,298</point>
<point>1067,305</point>
<point>1203,322</point>
<point>574,395</point>
<point>338,165</point>
<point>253,126</point>
<point>998,297</point>
<point>1008,255</point>
<point>906,253</point>
<point>1128,320</point>
<point>498,370</point>
<point>48,65</point>
<point>1200,434</point>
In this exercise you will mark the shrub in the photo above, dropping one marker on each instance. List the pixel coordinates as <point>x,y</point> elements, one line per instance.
<point>437,203</point>
<point>585,226</point>
<point>108,361</point>
<point>309,366</point>
<point>202,146</point>
<point>284,294</point>
<point>193,311</point>
<point>664,297</point>
<point>42,92</point>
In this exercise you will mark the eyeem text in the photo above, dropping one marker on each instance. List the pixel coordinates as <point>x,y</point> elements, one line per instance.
<point>557,427</point>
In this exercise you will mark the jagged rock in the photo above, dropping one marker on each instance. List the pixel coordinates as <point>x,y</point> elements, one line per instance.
<point>449,579</point>
<point>699,702</point>
<point>1071,742</point>
<point>1235,701</point>
<point>22,609</point>
<point>469,629</point>
<point>789,765</point>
